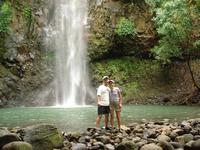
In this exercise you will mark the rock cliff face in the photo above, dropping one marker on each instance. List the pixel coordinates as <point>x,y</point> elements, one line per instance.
<point>22,67</point>
<point>103,19</point>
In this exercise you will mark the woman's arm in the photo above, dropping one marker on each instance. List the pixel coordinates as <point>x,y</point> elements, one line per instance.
<point>120,98</point>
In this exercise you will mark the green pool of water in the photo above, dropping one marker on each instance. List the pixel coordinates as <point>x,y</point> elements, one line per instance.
<point>78,119</point>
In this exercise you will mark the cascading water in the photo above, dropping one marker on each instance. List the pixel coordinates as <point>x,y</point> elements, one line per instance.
<point>71,64</point>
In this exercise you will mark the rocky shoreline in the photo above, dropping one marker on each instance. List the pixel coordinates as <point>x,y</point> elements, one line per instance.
<point>159,135</point>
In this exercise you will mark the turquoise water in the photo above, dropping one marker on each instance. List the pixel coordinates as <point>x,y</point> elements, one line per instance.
<point>78,119</point>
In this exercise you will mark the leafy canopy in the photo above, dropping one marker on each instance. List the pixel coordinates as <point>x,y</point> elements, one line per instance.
<point>174,24</point>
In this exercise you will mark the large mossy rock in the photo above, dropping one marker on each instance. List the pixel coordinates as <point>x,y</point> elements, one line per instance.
<point>43,137</point>
<point>17,146</point>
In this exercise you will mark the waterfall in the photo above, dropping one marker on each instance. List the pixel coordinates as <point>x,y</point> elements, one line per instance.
<point>70,18</point>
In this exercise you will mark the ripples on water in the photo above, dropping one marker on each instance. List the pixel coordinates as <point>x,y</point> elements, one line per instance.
<point>79,118</point>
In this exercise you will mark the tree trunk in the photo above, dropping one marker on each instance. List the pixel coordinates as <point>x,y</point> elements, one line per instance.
<point>192,75</point>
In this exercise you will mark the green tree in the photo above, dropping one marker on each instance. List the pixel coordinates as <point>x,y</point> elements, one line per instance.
<point>176,22</point>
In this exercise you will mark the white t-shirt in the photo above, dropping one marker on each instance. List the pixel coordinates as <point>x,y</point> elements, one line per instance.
<point>103,91</point>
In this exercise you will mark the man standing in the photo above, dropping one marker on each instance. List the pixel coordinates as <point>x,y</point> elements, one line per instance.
<point>103,102</point>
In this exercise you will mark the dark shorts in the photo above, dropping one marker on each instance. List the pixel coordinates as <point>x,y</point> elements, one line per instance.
<point>103,110</point>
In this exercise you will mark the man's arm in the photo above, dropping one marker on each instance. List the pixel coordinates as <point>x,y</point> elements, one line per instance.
<point>98,95</point>
<point>98,99</point>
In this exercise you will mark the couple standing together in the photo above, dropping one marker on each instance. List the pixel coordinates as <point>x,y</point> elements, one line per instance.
<point>109,100</point>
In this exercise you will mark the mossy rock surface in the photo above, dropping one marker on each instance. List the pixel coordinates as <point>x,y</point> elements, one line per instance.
<point>17,146</point>
<point>43,137</point>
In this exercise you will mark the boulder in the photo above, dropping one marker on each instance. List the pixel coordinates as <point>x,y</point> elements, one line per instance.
<point>117,140</point>
<point>188,146</point>
<point>166,145</point>
<point>95,147</point>
<point>187,129</point>
<point>173,135</point>
<point>150,133</point>
<point>196,137</point>
<point>163,138</point>
<point>141,143</point>
<point>176,145</point>
<point>82,139</point>
<point>180,139</point>
<point>43,137</point>
<point>178,131</point>
<point>3,131</point>
<point>151,146</point>
<point>196,145</point>
<point>125,128</point>
<point>136,139</point>
<point>78,146</point>
<point>138,129</point>
<point>17,146</point>
<point>194,132</point>
<point>67,144</point>
<point>74,136</point>
<point>98,144</point>
<point>166,130</point>
<point>87,138</point>
<point>126,145</point>
<point>188,137</point>
<point>195,122</point>
<point>109,147</point>
<point>185,123</point>
<point>104,139</point>
<point>6,138</point>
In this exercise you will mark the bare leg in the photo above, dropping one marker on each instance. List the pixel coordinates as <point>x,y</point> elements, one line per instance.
<point>118,119</point>
<point>106,120</point>
<point>98,120</point>
<point>112,118</point>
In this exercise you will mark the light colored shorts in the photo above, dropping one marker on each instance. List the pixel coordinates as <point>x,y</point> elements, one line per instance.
<point>114,105</point>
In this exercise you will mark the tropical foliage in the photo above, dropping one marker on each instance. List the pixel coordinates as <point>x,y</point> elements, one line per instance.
<point>27,12</point>
<point>175,23</point>
<point>5,18</point>
<point>125,27</point>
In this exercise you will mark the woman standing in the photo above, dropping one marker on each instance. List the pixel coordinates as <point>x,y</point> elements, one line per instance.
<point>115,103</point>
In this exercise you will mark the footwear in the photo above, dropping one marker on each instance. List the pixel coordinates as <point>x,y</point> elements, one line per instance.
<point>108,128</point>
<point>119,130</point>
